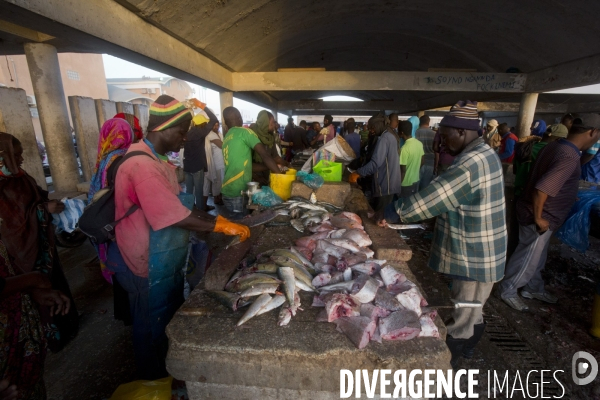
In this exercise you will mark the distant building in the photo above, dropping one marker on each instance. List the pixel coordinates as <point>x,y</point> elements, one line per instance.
<point>145,90</point>
<point>82,75</point>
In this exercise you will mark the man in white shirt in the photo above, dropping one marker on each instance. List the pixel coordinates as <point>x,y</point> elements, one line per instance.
<point>213,179</point>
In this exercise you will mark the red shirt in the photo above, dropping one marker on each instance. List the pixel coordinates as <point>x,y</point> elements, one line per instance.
<point>152,185</point>
<point>509,136</point>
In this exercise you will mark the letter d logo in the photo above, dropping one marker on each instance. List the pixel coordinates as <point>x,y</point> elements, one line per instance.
<point>583,367</point>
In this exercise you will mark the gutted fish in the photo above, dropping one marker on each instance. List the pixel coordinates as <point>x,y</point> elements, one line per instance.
<point>327,247</point>
<point>346,244</point>
<point>337,287</point>
<point>353,259</point>
<point>344,223</point>
<point>411,300</point>
<point>374,312</point>
<point>359,330</point>
<point>368,268</point>
<point>337,234</point>
<point>321,280</point>
<point>428,327</point>
<point>287,311</point>
<point>230,300</point>
<point>341,305</point>
<point>391,275</point>
<point>385,300</point>
<point>400,325</point>
<point>364,289</point>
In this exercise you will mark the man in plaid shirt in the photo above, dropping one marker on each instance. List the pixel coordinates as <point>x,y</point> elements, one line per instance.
<point>469,240</point>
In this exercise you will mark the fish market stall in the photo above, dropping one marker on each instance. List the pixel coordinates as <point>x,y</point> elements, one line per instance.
<point>280,315</point>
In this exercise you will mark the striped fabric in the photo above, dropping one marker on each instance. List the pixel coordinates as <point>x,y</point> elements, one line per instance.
<point>462,115</point>
<point>67,220</point>
<point>167,112</point>
<point>469,238</point>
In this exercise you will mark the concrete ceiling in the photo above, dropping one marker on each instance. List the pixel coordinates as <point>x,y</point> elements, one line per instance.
<point>339,35</point>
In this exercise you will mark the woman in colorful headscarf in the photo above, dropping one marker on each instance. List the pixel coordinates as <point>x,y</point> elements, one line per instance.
<point>28,236</point>
<point>115,138</point>
<point>264,127</point>
<point>134,122</point>
<point>538,128</point>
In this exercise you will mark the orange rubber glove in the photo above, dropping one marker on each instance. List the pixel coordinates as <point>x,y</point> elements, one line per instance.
<point>227,227</point>
<point>353,177</point>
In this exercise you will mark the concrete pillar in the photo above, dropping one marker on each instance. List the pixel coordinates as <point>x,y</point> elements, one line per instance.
<point>142,112</point>
<point>15,118</point>
<point>85,123</point>
<point>123,107</point>
<point>420,114</point>
<point>526,113</point>
<point>226,101</point>
<point>54,117</point>
<point>105,109</point>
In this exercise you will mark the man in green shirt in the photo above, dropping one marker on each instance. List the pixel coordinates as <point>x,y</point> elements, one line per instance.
<point>411,159</point>
<point>237,155</point>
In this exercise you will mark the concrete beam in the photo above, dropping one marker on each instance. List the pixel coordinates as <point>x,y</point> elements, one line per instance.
<point>23,32</point>
<point>379,80</point>
<point>584,107</point>
<point>582,72</point>
<point>319,105</point>
<point>15,118</point>
<point>141,42</point>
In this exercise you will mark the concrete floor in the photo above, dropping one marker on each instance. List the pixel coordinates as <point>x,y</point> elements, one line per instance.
<point>101,357</point>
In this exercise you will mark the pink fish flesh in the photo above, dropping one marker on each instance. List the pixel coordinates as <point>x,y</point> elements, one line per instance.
<point>359,330</point>
<point>358,236</point>
<point>340,222</point>
<point>391,275</point>
<point>307,253</point>
<point>368,268</point>
<point>400,325</point>
<point>310,242</point>
<point>353,259</point>
<point>374,312</point>
<point>350,215</point>
<point>337,234</point>
<point>327,247</point>
<point>320,256</point>
<point>428,328</point>
<point>341,305</point>
<point>398,288</point>
<point>341,265</point>
<point>321,280</point>
<point>364,289</point>
<point>411,300</point>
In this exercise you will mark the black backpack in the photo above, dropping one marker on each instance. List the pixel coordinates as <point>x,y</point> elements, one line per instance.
<point>98,219</point>
<point>523,152</point>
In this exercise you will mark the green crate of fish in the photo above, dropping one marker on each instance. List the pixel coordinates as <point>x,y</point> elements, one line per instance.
<point>330,171</point>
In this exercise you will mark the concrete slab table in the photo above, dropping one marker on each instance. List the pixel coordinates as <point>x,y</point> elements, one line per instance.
<point>261,360</point>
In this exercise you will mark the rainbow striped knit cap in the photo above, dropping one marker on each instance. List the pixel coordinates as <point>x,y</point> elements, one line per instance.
<point>462,115</point>
<point>166,112</point>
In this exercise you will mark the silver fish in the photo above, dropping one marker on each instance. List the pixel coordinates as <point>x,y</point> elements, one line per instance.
<point>289,282</point>
<point>303,286</point>
<point>300,272</point>
<point>275,302</point>
<point>259,289</point>
<point>298,225</point>
<point>345,244</point>
<point>346,286</point>
<point>311,221</point>
<point>312,207</point>
<point>302,259</point>
<point>287,311</point>
<point>262,301</point>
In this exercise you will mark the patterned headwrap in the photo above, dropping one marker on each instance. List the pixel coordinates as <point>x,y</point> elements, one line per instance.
<point>166,112</point>
<point>134,122</point>
<point>116,136</point>
<point>462,115</point>
<point>8,164</point>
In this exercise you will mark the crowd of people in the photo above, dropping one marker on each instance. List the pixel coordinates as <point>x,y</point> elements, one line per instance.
<point>409,171</point>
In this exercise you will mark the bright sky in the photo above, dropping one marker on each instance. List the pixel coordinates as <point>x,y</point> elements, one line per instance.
<point>117,68</point>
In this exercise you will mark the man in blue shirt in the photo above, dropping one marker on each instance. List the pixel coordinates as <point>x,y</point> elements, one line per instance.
<point>352,137</point>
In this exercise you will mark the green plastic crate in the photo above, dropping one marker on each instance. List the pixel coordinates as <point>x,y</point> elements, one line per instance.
<point>329,170</point>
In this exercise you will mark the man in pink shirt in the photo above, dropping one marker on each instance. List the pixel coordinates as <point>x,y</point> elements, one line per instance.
<point>147,197</point>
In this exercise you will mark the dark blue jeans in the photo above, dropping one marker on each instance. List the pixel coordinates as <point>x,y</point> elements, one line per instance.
<point>150,353</point>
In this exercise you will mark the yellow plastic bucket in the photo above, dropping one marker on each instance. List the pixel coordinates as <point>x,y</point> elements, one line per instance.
<point>282,183</point>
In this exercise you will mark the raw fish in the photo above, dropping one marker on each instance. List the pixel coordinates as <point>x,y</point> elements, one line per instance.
<point>400,325</point>
<point>317,302</point>
<point>391,275</point>
<point>387,301</point>
<point>368,268</point>
<point>341,305</point>
<point>275,302</point>
<point>359,330</point>
<point>287,311</point>
<point>373,312</point>
<point>336,277</point>
<point>321,280</point>
<point>351,216</point>
<point>327,247</point>
<point>260,289</point>
<point>353,259</point>
<point>428,328</point>
<point>260,302</point>
<point>230,300</point>
<point>367,251</point>
<point>289,282</point>
<point>305,251</point>
<point>337,234</point>
<point>337,287</point>
<point>358,236</point>
<point>320,256</point>
<point>338,222</point>
<point>345,243</point>
<point>411,300</point>
<point>364,289</point>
